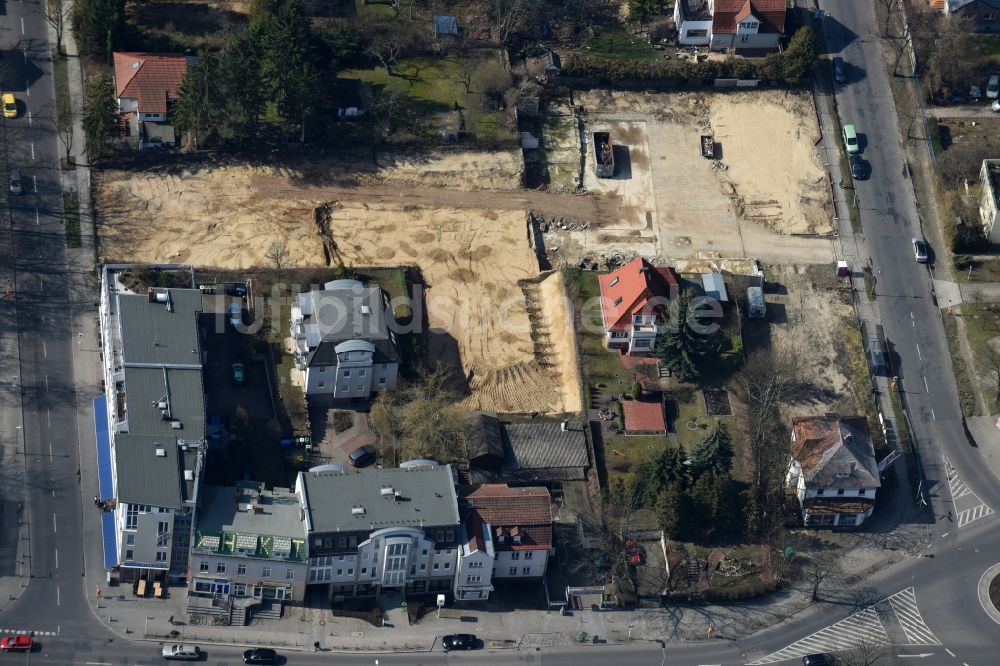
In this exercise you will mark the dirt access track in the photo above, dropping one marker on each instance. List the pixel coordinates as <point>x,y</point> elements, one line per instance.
<point>505,325</point>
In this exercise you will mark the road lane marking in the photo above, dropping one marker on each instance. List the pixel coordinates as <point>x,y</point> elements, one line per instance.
<point>48,417</point>
<point>45,352</point>
<point>54,530</point>
<point>38,219</point>
<point>98,663</point>
<point>29,118</point>
<point>46,382</point>
<point>933,416</point>
<point>33,152</point>
<point>25,52</point>
<point>34,179</point>
<point>57,559</point>
<point>22,25</point>
<point>919,355</point>
<point>949,652</point>
<point>50,449</point>
<point>58,597</point>
<point>926,387</point>
<point>945,535</point>
<point>27,85</point>
<point>904,604</point>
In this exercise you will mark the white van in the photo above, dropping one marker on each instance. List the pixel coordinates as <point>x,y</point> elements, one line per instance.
<point>235,314</point>
<point>181,652</point>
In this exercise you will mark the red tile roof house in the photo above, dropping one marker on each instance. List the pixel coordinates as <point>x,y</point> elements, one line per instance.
<point>833,470</point>
<point>634,299</point>
<point>506,533</point>
<point>747,25</point>
<point>146,85</point>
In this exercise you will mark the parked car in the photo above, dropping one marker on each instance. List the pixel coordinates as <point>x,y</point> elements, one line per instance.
<point>18,643</point>
<point>9,106</point>
<point>859,169</point>
<point>238,373</point>
<point>839,73</point>
<point>236,290</point>
<point>851,139</point>
<point>182,652</point>
<point>993,86</point>
<point>921,252</point>
<point>363,456</point>
<point>975,93</point>
<point>260,656</point>
<point>996,105</point>
<point>15,181</point>
<point>459,642</point>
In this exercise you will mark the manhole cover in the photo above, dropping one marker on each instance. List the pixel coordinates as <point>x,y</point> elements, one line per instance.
<point>692,425</point>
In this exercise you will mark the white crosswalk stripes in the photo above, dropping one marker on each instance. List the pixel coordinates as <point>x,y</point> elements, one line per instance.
<point>968,506</point>
<point>871,625</point>
<point>863,626</point>
<point>30,632</point>
<point>904,604</point>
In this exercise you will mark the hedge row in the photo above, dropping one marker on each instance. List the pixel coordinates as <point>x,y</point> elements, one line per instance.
<point>738,592</point>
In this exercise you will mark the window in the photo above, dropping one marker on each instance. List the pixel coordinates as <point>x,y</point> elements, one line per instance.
<point>129,539</point>
<point>359,387</point>
<point>473,578</point>
<point>161,556</point>
<point>861,493</point>
<point>350,572</point>
<point>162,527</point>
<point>450,535</point>
<point>220,568</point>
<point>132,517</point>
<point>265,572</point>
<point>447,565</point>
<point>436,566</point>
<point>697,33</point>
<point>203,566</point>
<point>820,491</point>
<point>362,372</point>
<point>340,572</point>
<point>340,558</point>
<point>528,555</point>
<point>347,373</point>
<point>423,567</point>
<point>364,571</point>
<point>128,555</point>
<point>515,555</point>
<point>322,368</point>
<point>289,574</point>
<point>512,571</point>
<point>321,384</point>
<point>642,343</point>
<point>381,380</point>
<point>613,282</point>
<point>424,552</point>
<point>345,387</point>
<point>241,570</point>
<point>840,491</point>
<point>525,571</point>
<point>475,565</point>
<point>341,543</point>
<point>618,301</point>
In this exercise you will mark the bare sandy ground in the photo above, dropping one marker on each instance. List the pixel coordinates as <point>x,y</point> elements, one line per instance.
<point>506,328</point>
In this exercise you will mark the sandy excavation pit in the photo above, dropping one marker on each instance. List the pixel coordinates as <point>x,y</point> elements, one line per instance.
<point>505,325</point>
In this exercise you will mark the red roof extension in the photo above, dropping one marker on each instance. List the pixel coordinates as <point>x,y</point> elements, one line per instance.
<point>770,13</point>
<point>644,416</point>
<point>149,78</point>
<point>509,512</point>
<point>628,290</point>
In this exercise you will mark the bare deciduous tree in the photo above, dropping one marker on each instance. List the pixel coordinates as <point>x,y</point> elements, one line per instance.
<point>277,254</point>
<point>891,7</point>
<point>867,652</point>
<point>57,15</point>
<point>385,48</point>
<point>387,107</point>
<point>820,570</point>
<point>509,15</point>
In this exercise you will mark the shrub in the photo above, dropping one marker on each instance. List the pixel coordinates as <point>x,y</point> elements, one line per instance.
<point>359,610</point>
<point>636,390</point>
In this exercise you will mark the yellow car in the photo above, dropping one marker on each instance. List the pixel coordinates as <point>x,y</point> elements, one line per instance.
<point>9,105</point>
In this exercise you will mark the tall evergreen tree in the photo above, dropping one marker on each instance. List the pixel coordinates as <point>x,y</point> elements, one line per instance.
<point>100,114</point>
<point>671,510</point>
<point>714,454</point>
<point>681,349</point>
<point>666,468</point>
<point>99,26</point>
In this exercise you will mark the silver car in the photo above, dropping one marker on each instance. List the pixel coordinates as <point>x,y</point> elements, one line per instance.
<point>182,652</point>
<point>15,181</point>
<point>920,250</point>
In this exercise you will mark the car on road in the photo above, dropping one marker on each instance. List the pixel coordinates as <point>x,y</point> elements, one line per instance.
<point>260,656</point>
<point>15,181</point>
<point>820,659</point>
<point>851,139</point>
<point>921,252</point>
<point>9,105</point>
<point>363,456</point>
<point>839,73</point>
<point>182,652</point>
<point>993,86</point>
<point>995,105</point>
<point>238,373</point>
<point>235,314</point>
<point>18,643</point>
<point>459,642</point>
<point>859,169</point>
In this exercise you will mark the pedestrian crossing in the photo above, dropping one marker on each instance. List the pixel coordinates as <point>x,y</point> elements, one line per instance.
<point>968,506</point>
<point>30,632</point>
<point>866,626</point>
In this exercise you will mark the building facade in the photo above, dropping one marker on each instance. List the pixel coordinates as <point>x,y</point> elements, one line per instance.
<point>343,342</point>
<point>249,542</point>
<point>634,300</point>
<point>989,208</point>
<point>150,427</point>
<point>380,530</point>
<point>731,25</point>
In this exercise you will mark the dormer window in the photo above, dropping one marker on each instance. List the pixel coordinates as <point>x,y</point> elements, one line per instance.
<point>618,301</point>
<point>613,282</point>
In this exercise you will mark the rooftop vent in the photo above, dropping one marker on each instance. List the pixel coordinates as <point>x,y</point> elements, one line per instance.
<point>357,510</point>
<point>387,491</point>
<point>162,404</point>
<point>135,64</point>
<point>188,475</point>
<point>366,310</point>
<point>161,453</point>
<point>176,425</point>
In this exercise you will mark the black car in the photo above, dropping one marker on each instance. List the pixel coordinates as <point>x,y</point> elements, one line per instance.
<point>819,660</point>
<point>363,456</point>
<point>260,656</point>
<point>859,170</point>
<point>459,642</point>
<point>839,74</point>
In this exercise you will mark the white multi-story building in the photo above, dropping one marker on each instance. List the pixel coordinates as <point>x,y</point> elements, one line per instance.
<point>150,428</point>
<point>343,342</point>
<point>989,203</point>
<point>737,25</point>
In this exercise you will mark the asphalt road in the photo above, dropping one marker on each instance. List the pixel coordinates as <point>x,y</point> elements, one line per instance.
<point>55,601</point>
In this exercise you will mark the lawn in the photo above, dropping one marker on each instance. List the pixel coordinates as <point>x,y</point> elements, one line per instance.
<point>985,46</point>
<point>435,85</point>
<point>623,455</point>
<point>966,394</point>
<point>617,44</point>
<point>71,218</point>
<point>600,365</point>
<point>982,324</point>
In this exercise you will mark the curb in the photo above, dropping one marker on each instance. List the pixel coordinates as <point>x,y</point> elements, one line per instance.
<point>984,592</point>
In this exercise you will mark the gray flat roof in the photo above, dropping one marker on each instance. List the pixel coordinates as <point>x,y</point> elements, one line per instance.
<point>146,478</point>
<point>154,333</point>
<point>145,387</point>
<point>427,497</point>
<point>278,514</point>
